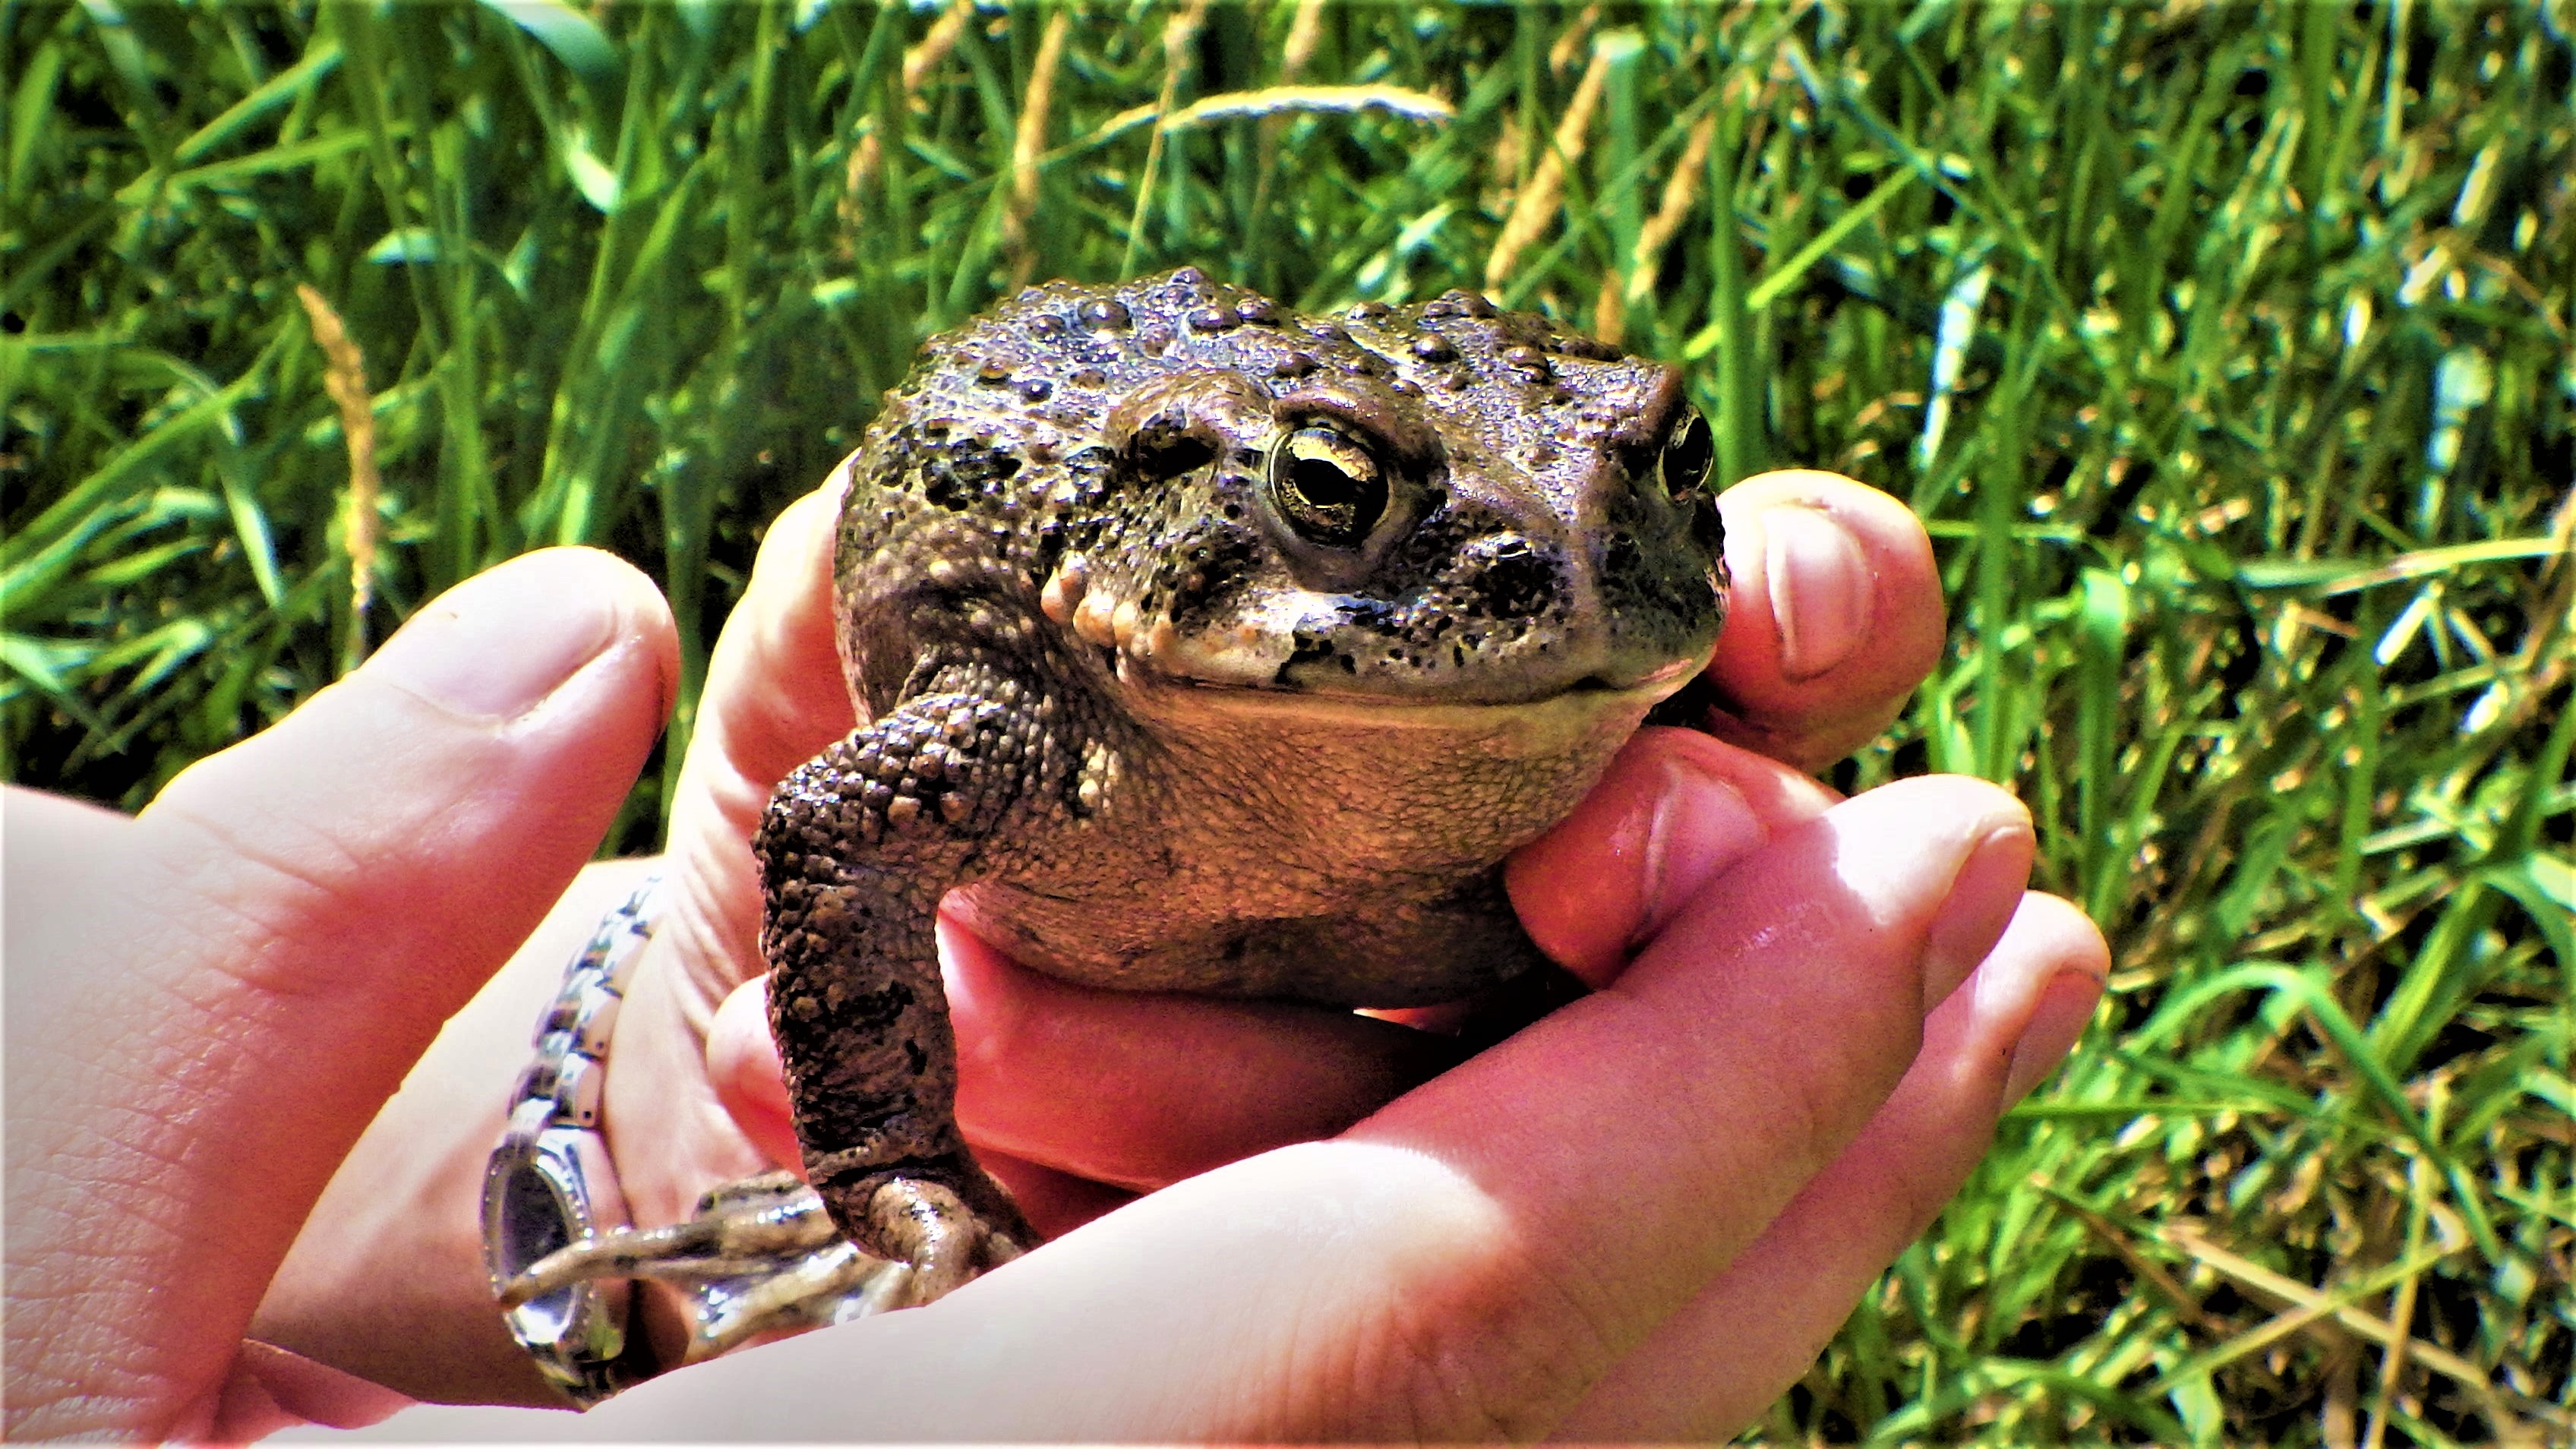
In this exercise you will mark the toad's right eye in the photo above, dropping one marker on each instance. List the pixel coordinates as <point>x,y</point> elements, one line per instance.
<point>1328,486</point>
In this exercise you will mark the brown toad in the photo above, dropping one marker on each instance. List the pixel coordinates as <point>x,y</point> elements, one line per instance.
<point>1208,647</point>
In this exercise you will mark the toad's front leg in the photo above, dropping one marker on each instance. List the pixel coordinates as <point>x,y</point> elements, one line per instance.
<point>856,850</point>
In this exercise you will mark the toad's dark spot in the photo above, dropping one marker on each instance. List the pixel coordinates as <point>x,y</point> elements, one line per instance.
<point>956,477</point>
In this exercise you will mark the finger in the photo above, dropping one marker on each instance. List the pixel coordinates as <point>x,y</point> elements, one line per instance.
<point>773,697</point>
<point>1754,1037</point>
<point>1468,1261</point>
<point>744,1069</point>
<point>742,1061</point>
<point>1674,809</point>
<point>775,694</point>
<point>1141,1090</point>
<point>1130,1089</point>
<point>1834,615</point>
<point>1055,1201</point>
<point>1702,1376</point>
<point>277,939</point>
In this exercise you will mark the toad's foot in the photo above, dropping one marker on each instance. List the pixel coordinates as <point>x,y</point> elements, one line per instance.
<point>947,1226</point>
<point>761,1255</point>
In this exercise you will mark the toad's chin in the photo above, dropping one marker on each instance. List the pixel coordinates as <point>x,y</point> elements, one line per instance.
<point>1650,679</point>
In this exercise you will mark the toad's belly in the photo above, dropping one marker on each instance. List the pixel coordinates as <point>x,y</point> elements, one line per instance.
<point>1400,948</point>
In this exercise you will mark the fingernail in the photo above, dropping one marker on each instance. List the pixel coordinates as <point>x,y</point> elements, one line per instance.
<point>1821,593</point>
<point>498,643</point>
<point>2064,1010</point>
<point>1701,825</point>
<point>1983,896</point>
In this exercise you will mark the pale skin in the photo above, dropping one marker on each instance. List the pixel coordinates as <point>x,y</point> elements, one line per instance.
<point>1638,1218</point>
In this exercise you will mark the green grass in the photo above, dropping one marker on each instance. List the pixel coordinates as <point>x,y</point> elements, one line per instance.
<point>2224,348</point>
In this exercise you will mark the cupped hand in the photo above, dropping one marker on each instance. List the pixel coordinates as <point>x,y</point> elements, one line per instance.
<point>1081,1099</point>
<point>208,1003</point>
<point>1638,1218</point>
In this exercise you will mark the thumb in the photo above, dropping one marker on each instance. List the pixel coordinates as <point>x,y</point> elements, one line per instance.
<point>218,996</point>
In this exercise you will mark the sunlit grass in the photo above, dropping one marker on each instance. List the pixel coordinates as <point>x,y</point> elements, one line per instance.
<point>2224,348</point>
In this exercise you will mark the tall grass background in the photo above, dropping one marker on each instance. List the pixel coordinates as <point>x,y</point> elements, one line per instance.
<point>2223,347</point>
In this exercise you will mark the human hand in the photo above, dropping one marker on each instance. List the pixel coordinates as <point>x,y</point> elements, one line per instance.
<point>1786,951</point>
<point>1639,1218</point>
<point>1082,1098</point>
<point>208,1003</point>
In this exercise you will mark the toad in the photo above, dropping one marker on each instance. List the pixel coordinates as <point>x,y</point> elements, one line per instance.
<point>1202,646</point>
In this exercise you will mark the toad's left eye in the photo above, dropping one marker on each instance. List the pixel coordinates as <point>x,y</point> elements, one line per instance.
<point>1687,456</point>
<point>1328,486</point>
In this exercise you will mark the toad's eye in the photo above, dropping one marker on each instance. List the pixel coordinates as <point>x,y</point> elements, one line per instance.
<point>1328,486</point>
<point>1686,457</point>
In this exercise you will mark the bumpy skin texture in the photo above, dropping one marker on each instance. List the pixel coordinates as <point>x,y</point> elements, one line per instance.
<point>1208,647</point>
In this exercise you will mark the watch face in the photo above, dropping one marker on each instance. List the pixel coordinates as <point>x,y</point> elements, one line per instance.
<point>530,1212</point>
<point>537,1201</point>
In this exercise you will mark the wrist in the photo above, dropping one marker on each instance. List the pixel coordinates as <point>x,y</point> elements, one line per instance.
<point>387,1279</point>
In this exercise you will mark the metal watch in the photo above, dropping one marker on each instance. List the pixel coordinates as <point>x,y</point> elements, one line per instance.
<point>550,1183</point>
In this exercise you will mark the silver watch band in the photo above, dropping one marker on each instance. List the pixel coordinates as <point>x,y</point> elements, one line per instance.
<point>550,1182</point>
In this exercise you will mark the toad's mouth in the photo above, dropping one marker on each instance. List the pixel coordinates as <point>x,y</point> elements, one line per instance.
<point>1581,704</point>
<point>1334,647</point>
<point>1376,671</point>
